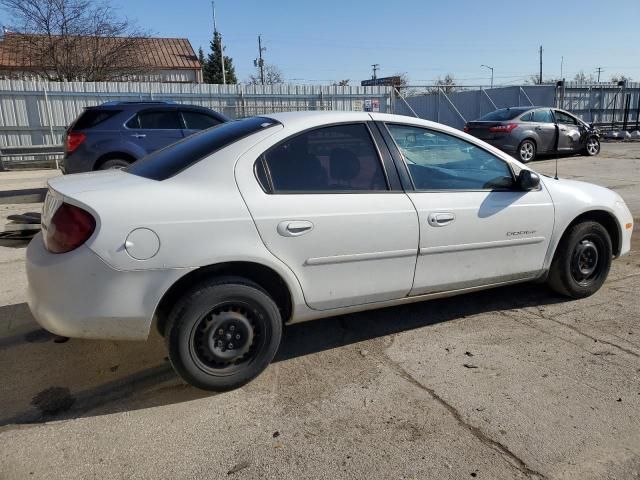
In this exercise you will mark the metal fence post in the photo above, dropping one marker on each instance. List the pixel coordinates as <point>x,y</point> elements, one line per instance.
<point>50,116</point>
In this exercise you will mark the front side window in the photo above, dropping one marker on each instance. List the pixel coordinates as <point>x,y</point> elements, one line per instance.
<point>437,161</point>
<point>562,117</point>
<point>156,120</point>
<point>339,158</point>
<point>198,121</point>
<point>543,116</point>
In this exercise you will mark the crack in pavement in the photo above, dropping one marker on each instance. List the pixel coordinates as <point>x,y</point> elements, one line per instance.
<point>577,330</point>
<point>511,458</point>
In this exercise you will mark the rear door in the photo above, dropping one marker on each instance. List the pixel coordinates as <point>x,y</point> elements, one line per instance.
<point>328,203</point>
<point>545,129</point>
<point>569,134</point>
<point>154,128</point>
<point>194,121</point>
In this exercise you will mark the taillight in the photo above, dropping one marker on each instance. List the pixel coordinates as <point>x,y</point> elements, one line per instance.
<point>466,129</point>
<point>69,228</point>
<point>74,139</point>
<point>503,128</point>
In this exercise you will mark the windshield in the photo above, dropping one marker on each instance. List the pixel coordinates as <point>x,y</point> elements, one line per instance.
<point>169,161</point>
<point>502,114</point>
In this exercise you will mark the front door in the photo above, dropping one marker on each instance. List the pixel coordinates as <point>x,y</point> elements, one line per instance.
<point>154,129</point>
<point>322,204</point>
<point>476,228</point>
<point>569,134</point>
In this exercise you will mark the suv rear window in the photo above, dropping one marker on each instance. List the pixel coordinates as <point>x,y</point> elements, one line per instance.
<point>171,160</point>
<point>502,114</point>
<point>93,117</point>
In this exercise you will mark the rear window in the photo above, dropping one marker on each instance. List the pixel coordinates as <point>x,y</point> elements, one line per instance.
<point>169,161</point>
<point>91,118</point>
<point>502,114</point>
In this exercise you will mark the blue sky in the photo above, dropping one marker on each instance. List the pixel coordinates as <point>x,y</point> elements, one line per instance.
<point>327,40</point>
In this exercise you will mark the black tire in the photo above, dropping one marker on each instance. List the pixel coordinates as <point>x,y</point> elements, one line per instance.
<point>114,163</point>
<point>592,146</point>
<point>582,260</point>
<point>206,316</point>
<point>526,151</point>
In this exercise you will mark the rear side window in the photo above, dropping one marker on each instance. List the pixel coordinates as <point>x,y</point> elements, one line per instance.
<point>502,114</point>
<point>199,121</point>
<point>169,161</point>
<point>339,158</point>
<point>156,120</point>
<point>91,118</point>
<point>543,116</point>
<point>527,118</point>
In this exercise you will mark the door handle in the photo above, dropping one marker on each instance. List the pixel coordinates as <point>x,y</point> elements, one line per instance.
<point>440,219</point>
<point>294,228</point>
<point>139,135</point>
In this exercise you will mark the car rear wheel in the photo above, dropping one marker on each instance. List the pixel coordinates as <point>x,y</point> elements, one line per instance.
<point>582,260</point>
<point>592,148</point>
<point>223,333</point>
<point>114,164</point>
<point>526,151</point>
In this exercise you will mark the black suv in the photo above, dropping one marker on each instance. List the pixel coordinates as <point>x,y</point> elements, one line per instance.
<point>115,134</point>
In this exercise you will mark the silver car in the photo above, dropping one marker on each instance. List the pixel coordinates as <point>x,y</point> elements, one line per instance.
<point>525,132</point>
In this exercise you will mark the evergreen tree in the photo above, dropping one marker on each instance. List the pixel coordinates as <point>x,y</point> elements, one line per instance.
<point>201,58</point>
<point>212,68</point>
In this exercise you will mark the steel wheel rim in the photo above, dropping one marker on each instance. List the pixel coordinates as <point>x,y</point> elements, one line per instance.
<point>593,146</point>
<point>526,151</point>
<point>586,261</point>
<point>225,322</point>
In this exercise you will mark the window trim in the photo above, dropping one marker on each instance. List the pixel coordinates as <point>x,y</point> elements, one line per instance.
<point>182,111</point>
<point>514,177</point>
<point>150,110</point>
<point>271,190</point>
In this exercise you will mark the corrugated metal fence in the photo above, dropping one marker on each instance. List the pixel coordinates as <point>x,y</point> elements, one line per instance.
<point>601,103</point>
<point>37,112</point>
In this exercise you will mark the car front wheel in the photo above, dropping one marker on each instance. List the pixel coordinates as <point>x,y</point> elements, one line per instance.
<point>592,148</point>
<point>526,151</point>
<point>223,333</point>
<point>582,260</point>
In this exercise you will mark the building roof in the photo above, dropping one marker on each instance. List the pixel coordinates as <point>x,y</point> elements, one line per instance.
<point>153,53</point>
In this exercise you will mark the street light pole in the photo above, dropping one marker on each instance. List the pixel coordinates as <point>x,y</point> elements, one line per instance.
<point>490,68</point>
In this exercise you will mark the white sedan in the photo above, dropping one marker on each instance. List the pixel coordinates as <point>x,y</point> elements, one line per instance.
<point>224,237</point>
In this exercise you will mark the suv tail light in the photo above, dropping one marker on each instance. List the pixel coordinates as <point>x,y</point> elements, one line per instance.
<point>503,128</point>
<point>74,139</point>
<point>69,228</point>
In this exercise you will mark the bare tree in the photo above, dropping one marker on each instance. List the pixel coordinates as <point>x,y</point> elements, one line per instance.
<point>342,83</point>
<point>581,77</point>
<point>620,78</point>
<point>74,39</point>
<point>272,76</point>
<point>446,84</point>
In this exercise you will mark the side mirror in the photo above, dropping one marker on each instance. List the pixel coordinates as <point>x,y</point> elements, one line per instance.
<point>528,180</point>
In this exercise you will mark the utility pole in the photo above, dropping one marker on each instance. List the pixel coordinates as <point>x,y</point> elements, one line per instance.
<point>540,78</point>
<point>376,67</point>
<point>215,32</point>
<point>490,68</point>
<point>599,70</point>
<point>259,62</point>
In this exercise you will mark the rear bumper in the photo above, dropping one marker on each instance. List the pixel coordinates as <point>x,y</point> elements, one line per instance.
<point>76,294</point>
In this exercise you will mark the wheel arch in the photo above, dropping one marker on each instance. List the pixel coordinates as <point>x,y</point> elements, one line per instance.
<point>110,156</point>
<point>603,217</point>
<point>266,277</point>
